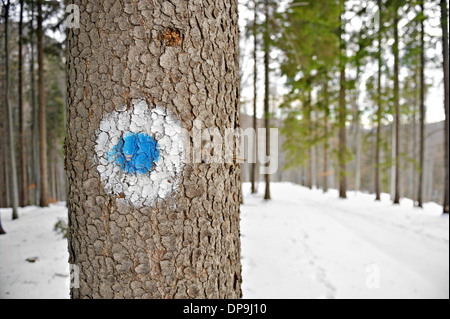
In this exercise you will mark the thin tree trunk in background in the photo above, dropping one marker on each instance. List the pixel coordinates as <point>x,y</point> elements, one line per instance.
<point>35,111</point>
<point>12,146</point>
<point>23,164</point>
<point>392,161</point>
<point>309,181</point>
<point>358,156</point>
<point>266,94</point>
<point>396,109</point>
<point>415,131</point>
<point>7,183</point>
<point>326,142</point>
<point>379,107</point>
<point>422,109</point>
<point>445,52</point>
<point>255,97</point>
<point>2,231</point>
<point>342,107</point>
<point>42,113</point>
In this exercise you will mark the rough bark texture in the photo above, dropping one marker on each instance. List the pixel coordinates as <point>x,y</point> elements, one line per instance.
<point>181,56</point>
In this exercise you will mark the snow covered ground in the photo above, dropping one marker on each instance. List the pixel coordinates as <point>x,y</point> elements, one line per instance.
<point>303,244</point>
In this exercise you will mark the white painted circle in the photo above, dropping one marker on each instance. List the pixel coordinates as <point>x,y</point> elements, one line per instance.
<point>140,189</point>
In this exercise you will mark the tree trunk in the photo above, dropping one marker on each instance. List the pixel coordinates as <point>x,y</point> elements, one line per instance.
<point>326,142</point>
<point>42,112</point>
<point>342,108</point>
<point>396,110</point>
<point>266,93</point>
<point>143,235</point>
<point>380,107</point>
<point>2,231</point>
<point>422,109</point>
<point>23,167</point>
<point>444,23</point>
<point>35,111</point>
<point>308,112</point>
<point>255,98</point>
<point>12,146</point>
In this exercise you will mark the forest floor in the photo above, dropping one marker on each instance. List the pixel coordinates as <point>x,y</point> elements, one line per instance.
<point>302,244</point>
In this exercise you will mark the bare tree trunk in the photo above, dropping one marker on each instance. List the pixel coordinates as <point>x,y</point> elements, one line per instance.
<point>35,167</point>
<point>255,97</point>
<point>326,141</point>
<point>380,107</point>
<point>23,167</point>
<point>422,109</point>
<point>342,108</point>
<point>12,146</point>
<point>445,44</point>
<point>42,112</point>
<point>396,110</point>
<point>177,237</point>
<point>308,106</point>
<point>266,93</point>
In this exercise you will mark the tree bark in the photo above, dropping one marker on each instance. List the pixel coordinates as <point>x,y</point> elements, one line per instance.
<point>380,107</point>
<point>179,57</point>
<point>396,109</point>
<point>266,93</point>
<point>422,109</point>
<point>42,112</point>
<point>445,44</point>
<point>326,141</point>
<point>342,108</point>
<point>255,97</point>
<point>14,191</point>
<point>2,231</point>
<point>23,167</point>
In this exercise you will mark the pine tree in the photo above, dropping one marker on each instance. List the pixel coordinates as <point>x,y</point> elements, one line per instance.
<point>157,56</point>
<point>445,44</point>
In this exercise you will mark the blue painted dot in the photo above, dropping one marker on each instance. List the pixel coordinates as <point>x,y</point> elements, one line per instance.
<point>136,153</point>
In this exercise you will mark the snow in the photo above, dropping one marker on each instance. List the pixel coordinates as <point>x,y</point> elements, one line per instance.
<point>306,244</point>
<point>31,236</point>
<point>302,244</point>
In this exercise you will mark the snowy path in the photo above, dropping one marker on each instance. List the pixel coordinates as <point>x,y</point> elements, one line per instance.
<point>303,244</point>
<point>307,245</point>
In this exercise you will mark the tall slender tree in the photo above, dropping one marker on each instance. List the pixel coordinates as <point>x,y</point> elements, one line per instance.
<point>255,93</point>
<point>396,102</point>
<point>445,52</point>
<point>42,112</point>
<point>379,103</point>
<point>422,106</point>
<point>21,105</point>
<point>267,91</point>
<point>342,109</point>
<point>11,144</point>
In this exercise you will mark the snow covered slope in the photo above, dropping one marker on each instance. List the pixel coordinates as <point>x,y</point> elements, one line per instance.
<point>305,244</point>
<point>302,244</point>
